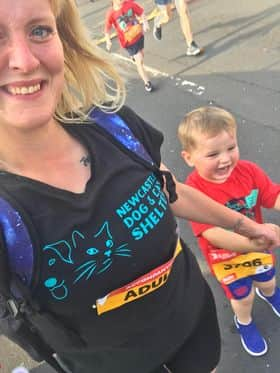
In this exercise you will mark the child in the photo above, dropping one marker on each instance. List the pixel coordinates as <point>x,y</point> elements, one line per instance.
<point>209,142</point>
<point>123,15</point>
<point>165,14</point>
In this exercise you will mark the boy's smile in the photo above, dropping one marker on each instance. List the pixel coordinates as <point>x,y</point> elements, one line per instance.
<point>214,157</point>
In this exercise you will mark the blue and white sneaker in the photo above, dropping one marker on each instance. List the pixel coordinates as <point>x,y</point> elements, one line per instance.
<point>251,339</point>
<point>273,301</point>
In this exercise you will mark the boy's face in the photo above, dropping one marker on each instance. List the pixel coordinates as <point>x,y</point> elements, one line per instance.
<point>214,157</point>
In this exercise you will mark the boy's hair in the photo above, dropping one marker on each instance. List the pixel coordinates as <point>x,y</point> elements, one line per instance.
<point>90,77</point>
<point>208,120</point>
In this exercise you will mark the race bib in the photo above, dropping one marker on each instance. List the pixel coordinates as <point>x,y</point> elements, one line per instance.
<point>132,32</point>
<point>138,288</point>
<point>242,266</point>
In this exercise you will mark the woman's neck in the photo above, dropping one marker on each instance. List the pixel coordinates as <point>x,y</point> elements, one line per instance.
<point>22,149</point>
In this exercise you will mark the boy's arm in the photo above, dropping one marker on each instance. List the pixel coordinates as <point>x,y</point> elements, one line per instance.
<point>145,22</point>
<point>108,41</point>
<point>107,28</point>
<point>224,239</point>
<point>277,203</point>
<point>140,13</point>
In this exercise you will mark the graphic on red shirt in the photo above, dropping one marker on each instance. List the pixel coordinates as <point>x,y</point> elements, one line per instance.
<point>125,21</point>
<point>247,190</point>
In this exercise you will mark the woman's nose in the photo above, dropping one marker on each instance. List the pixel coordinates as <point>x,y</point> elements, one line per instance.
<point>21,56</point>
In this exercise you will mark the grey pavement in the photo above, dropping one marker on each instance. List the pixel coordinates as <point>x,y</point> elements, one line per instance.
<point>240,70</point>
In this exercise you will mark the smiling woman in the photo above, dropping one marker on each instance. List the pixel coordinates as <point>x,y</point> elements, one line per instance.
<point>90,221</point>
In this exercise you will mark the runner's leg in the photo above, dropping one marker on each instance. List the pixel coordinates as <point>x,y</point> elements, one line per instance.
<point>185,22</point>
<point>139,61</point>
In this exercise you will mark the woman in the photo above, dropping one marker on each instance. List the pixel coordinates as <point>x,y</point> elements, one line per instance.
<point>98,218</point>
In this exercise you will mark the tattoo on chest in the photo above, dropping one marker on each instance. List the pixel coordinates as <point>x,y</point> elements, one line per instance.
<point>85,160</point>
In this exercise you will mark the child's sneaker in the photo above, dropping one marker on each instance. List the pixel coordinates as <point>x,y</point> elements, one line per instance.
<point>148,86</point>
<point>193,49</point>
<point>157,32</point>
<point>251,339</point>
<point>273,301</point>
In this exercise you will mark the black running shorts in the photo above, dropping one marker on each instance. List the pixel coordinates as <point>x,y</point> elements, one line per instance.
<point>201,351</point>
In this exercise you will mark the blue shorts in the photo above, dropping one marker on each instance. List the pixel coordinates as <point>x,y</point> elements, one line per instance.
<point>136,47</point>
<point>242,288</point>
<point>163,2</point>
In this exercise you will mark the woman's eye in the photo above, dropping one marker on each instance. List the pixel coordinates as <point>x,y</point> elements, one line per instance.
<point>41,32</point>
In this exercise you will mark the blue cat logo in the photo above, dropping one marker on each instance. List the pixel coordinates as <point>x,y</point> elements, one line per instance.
<point>101,258</point>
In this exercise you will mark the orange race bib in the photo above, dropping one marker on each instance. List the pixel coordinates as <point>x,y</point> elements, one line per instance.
<point>138,288</point>
<point>242,266</point>
<point>132,32</point>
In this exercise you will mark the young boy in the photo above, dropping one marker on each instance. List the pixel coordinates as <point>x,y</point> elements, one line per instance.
<point>165,14</point>
<point>209,142</point>
<point>123,16</point>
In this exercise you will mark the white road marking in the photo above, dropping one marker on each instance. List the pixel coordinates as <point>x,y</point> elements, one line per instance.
<point>191,87</point>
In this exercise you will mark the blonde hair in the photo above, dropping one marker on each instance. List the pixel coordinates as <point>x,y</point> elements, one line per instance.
<point>90,77</point>
<point>208,120</point>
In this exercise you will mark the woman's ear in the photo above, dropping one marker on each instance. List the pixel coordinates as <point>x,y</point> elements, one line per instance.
<point>187,157</point>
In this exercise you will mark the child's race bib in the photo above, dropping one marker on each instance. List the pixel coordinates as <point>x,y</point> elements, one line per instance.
<point>132,32</point>
<point>242,266</point>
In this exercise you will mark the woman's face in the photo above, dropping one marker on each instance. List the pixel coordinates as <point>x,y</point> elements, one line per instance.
<point>31,64</point>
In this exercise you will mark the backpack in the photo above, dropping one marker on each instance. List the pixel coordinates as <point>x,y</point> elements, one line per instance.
<point>39,333</point>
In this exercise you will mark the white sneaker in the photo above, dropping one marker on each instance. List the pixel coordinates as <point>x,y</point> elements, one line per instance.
<point>148,86</point>
<point>193,49</point>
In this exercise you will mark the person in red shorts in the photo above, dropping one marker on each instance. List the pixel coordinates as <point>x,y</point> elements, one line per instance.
<point>125,17</point>
<point>209,142</point>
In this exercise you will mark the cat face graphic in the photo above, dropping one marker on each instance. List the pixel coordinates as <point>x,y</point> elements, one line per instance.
<point>100,257</point>
<point>240,205</point>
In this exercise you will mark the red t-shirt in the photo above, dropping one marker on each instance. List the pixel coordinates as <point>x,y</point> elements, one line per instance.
<point>125,22</point>
<point>246,190</point>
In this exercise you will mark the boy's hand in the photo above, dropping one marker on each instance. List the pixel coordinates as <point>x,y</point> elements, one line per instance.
<point>146,26</point>
<point>262,243</point>
<point>108,45</point>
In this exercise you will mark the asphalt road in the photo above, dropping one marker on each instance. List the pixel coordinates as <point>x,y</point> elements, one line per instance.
<point>239,71</point>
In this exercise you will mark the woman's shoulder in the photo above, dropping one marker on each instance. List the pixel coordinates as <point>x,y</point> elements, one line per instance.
<point>146,133</point>
<point>135,121</point>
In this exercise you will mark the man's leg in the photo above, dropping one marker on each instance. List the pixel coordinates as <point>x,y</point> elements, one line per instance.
<point>183,12</point>
<point>185,22</point>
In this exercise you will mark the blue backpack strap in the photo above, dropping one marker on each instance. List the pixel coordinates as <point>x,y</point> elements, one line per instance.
<point>116,126</point>
<point>118,129</point>
<point>17,242</point>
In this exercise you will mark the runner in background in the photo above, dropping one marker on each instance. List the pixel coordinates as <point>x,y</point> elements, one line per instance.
<point>124,16</point>
<point>165,14</point>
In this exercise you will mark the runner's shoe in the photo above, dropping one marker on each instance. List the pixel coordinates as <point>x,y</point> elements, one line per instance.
<point>157,33</point>
<point>193,49</point>
<point>273,301</point>
<point>251,339</point>
<point>148,86</point>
